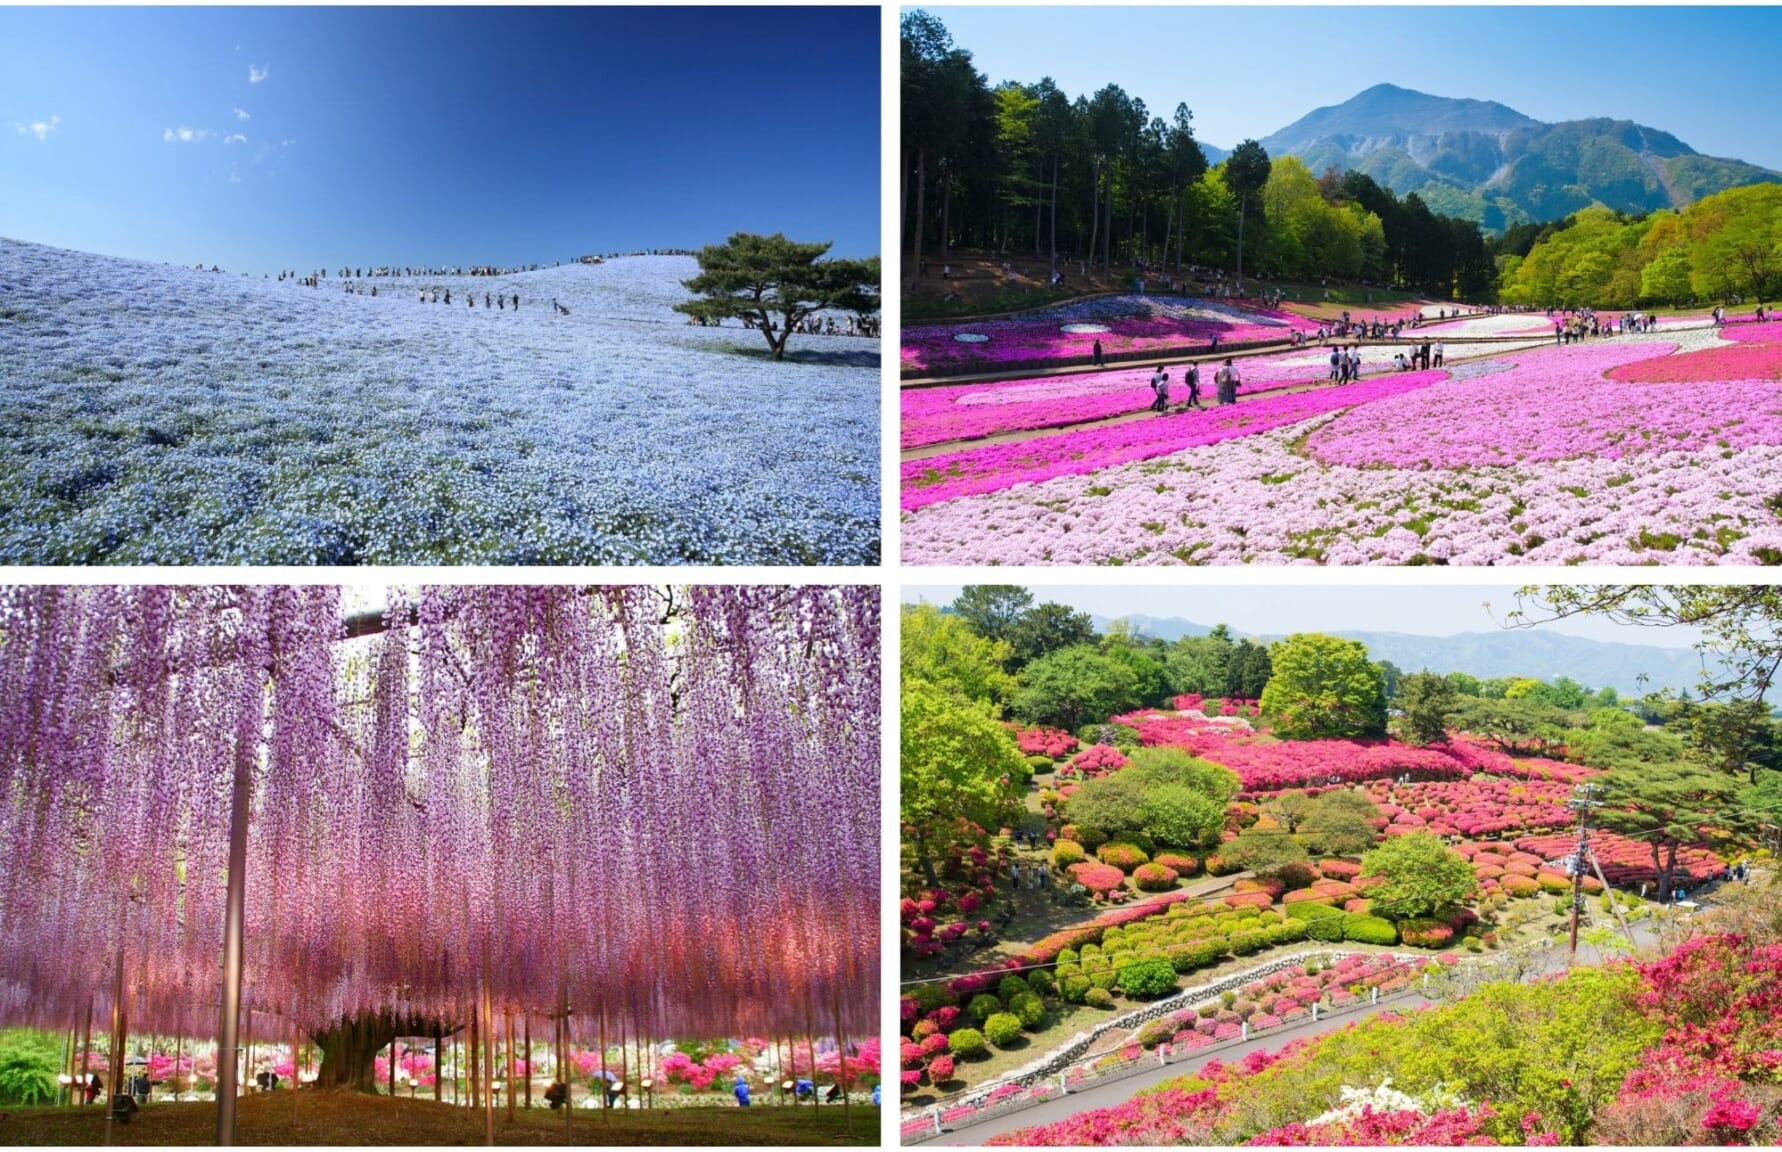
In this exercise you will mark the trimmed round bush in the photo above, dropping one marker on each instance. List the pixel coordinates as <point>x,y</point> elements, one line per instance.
<point>1098,878</point>
<point>1309,910</point>
<point>1519,886</point>
<point>1011,986</point>
<point>935,1045</point>
<point>1217,867</point>
<point>1247,899</point>
<point>1306,896</point>
<point>1041,981</point>
<point>1125,857</point>
<point>1329,929</point>
<point>1002,1029</point>
<point>1184,865</point>
<point>1039,765</point>
<point>1073,989</point>
<point>940,1069</point>
<point>1364,929</point>
<point>1067,852</point>
<point>983,1006</point>
<point>932,996</point>
<point>968,1043</point>
<point>1146,979</point>
<point>1028,1008</point>
<point>1153,878</point>
<point>1099,998</point>
<point>1553,883</point>
<point>1156,1032</point>
<point>1420,933</point>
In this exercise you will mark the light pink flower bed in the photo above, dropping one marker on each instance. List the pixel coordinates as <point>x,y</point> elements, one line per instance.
<point>1554,405</point>
<point>993,467</point>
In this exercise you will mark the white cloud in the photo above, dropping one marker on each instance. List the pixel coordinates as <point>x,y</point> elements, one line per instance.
<point>255,75</point>
<point>184,135</point>
<point>42,129</point>
<point>235,138</point>
<point>234,176</point>
<point>242,114</point>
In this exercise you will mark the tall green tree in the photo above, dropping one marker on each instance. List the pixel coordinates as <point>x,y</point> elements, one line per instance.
<point>992,610</point>
<point>1246,171</point>
<point>1427,700</point>
<point>1422,876</point>
<point>958,762</point>
<point>1670,807</point>
<point>1340,823</point>
<point>1263,852</point>
<point>1324,687</point>
<point>1074,687</point>
<point>942,649</point>
<point>777,284</point>
<point>1047,628</point>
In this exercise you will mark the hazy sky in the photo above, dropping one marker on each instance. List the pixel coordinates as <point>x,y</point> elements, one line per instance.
<point>1698,73</point>
<point>258,138</point>
<point>1278,610</point>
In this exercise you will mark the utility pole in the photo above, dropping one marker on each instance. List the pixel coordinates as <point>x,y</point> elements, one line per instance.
<point>1582,801</point>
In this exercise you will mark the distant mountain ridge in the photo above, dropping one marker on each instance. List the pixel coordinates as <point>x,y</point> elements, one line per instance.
<point>1511,652</point>
<point>1488,162</point>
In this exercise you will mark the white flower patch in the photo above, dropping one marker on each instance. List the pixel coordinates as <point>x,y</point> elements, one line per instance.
<point>151,414</point>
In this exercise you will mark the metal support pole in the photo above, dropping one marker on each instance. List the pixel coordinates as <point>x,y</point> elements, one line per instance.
<point>234,921</point>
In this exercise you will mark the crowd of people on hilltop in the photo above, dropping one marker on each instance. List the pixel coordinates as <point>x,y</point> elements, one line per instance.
<point>605,256</point>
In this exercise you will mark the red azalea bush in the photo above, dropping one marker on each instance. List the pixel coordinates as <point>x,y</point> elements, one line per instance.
<point>1048,742</point>
<point>1423,933</point>
<point>1092,762</point>
<point>1099,878</point>
<point>940,1070</point>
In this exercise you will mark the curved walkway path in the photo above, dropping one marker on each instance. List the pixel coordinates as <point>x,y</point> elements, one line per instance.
<point>948,447</point>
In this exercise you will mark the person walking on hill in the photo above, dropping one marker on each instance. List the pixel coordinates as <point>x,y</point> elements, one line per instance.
<point>1192,379</point>
<point>1099,362</point>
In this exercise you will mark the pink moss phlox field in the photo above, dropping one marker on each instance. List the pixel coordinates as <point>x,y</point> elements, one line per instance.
<point>661,802</point>
<point>1134,323</point>
<point>968,411</point>
<point>1554,405</point>
<point>988,469</point>
<point>1755,354</point>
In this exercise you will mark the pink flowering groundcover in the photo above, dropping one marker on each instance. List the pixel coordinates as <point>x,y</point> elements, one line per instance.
<point>1557,405</point>
<point>993,467</point>
<point>1132,323</point>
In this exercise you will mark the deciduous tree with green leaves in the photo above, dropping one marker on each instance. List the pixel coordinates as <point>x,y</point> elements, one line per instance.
<point>942,649</point>
<point>1073,687</point>
<point>1340,823</point>
<point>777,284</point>
<point>1422,876</point>
<point>957,761</point>
<point>1324,687</point>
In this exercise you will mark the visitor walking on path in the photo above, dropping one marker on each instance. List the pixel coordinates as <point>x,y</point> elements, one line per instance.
<point>1098,360</point>
<point>1159,390</point>
<point>1192,379</point>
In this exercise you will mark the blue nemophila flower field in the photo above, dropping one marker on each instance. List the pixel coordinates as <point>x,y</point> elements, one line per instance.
<point>160,415</point>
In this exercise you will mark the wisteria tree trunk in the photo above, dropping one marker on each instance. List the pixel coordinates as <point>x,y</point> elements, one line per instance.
<point>350,1048</point>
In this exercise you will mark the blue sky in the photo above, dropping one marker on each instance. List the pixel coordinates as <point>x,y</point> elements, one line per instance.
<point>1281,609</point>
<point>267,138</point>
<point>1699,73</point>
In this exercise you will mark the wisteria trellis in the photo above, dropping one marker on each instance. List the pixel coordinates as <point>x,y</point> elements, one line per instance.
<point>658,803</point>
